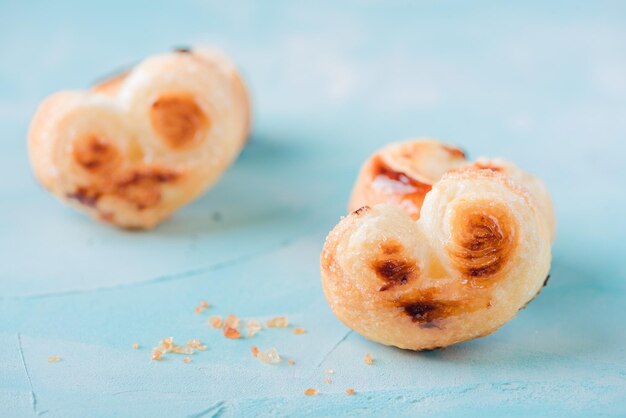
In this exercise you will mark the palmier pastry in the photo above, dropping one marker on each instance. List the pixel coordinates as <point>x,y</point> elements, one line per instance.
<point>138,146</point>
<point>478,252</point>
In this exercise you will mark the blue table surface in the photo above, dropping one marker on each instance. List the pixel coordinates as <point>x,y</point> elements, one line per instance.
<point>540,83</point>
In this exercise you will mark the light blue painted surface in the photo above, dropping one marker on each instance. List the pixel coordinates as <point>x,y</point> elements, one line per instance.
<point>541,84</point>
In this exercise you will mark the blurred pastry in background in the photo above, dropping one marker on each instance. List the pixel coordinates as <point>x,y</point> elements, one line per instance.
<point>138,146</point>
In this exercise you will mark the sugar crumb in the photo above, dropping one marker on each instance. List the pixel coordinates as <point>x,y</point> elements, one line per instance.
<point>278,322</point>
<point>181,349</point>
<point>270,356</point>
<point>215,321</point>
<point>167,344</point>
<point>231,321</point>
<point>157,354</point>
<point>232,333</point>
<point>202,306</point>
<point>253,326</point>
<point>196,344</point>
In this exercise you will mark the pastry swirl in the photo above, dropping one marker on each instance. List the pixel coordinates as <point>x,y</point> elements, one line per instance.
<point>139,145</point>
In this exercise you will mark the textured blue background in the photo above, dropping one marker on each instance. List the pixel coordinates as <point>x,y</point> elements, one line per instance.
<point>541,84</point>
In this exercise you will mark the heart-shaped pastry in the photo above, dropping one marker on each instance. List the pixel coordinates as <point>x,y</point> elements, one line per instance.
<point>478,252</point>
<point>136,147</point>
<point>403,173</point>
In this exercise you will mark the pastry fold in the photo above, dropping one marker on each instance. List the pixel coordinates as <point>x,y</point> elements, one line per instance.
<point>403,172</point>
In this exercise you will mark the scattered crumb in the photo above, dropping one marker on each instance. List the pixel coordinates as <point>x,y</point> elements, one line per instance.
<point>136,345</point>
<point>253,326</point>
<point>310,392</point>
<point>291,362</point>
<point>232,333</point>
<point>54,358</point>
<point>278,322</point>
<point>187,360</point>
<point>181,349</point>
<point>299,331</point>
<point>215,321</point>
<point>202,306</point>
<point>330,371</point>
<point>269,357</point>
<point>196,344</point>
<point>231,321</point>
<point>328,380</point>
<point>350,392</point>
<point>167,344</point>
<point>156,354</point>
<point>368,359</point>
<point>254,350</point>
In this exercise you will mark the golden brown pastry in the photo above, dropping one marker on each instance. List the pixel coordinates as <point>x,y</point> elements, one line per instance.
<point>136,147</point>
<point>402,173</point>
<point>479,252</point>
<point>533,184</point>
